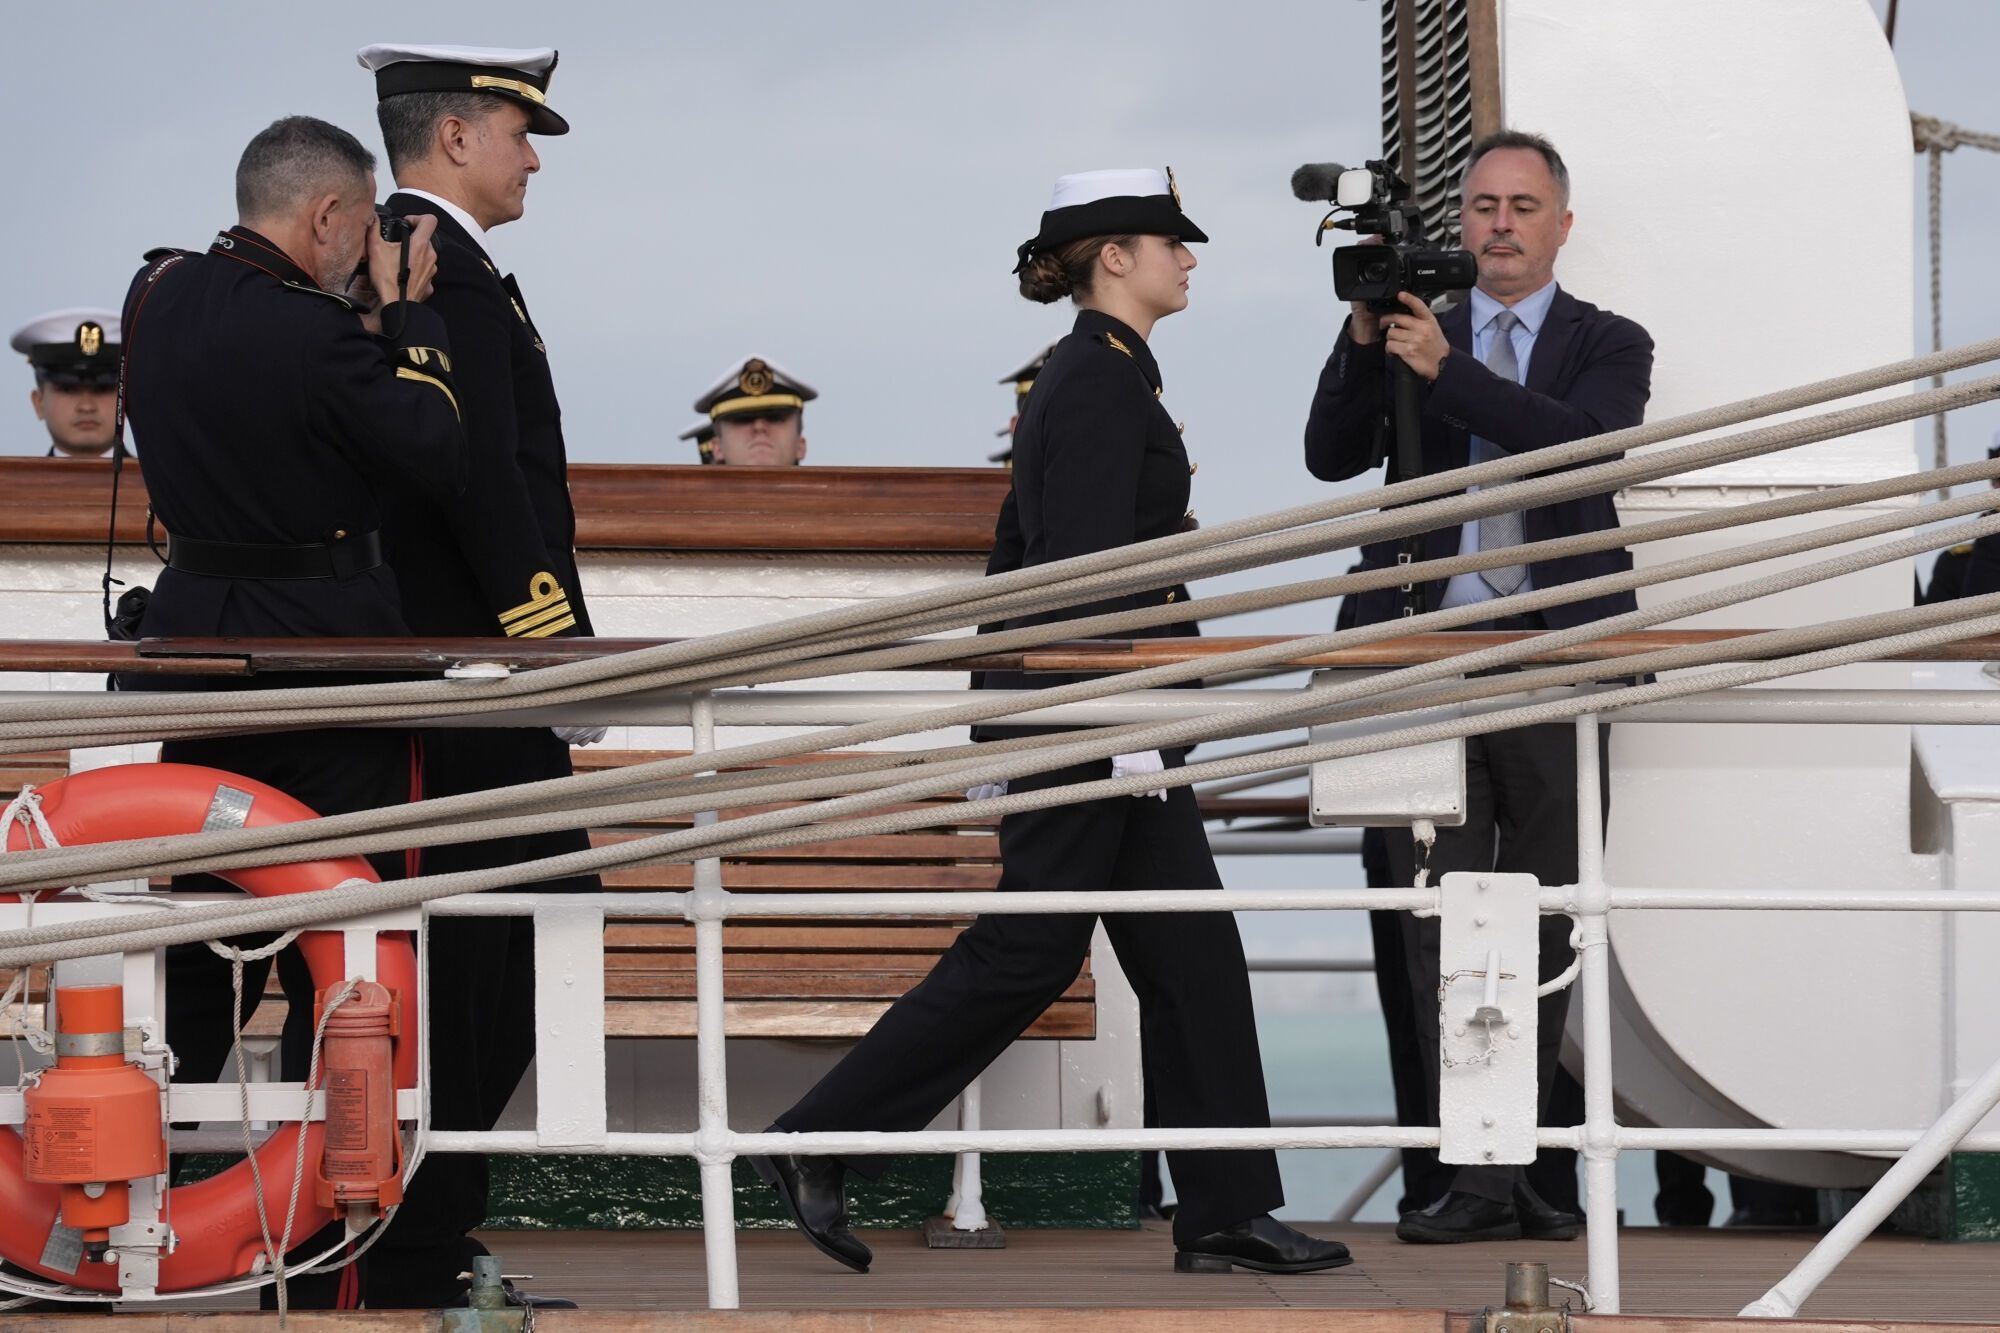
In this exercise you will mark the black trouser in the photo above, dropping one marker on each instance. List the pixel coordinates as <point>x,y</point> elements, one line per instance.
<point>335,772</point>
<point>1201,1060</point>
<point>1424,1178</point>
<point>481,1022</point>
<point>1520,818</point>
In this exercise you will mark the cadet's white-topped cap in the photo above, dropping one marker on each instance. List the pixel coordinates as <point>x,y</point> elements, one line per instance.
<point>1124,200</point>
<point>78,346</point>
<point>1087,187</point>
<point>520,74</point>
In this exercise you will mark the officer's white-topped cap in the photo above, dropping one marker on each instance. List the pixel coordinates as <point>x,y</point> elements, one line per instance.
<point>754,384</point>
<point>1122,201</point>
<point>78,346</point>
<point>520,74</point>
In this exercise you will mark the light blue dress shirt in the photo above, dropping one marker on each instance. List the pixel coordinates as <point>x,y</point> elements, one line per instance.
<point>1531,311</point>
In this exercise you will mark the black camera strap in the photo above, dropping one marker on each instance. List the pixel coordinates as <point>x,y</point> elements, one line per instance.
<point>402,290</point>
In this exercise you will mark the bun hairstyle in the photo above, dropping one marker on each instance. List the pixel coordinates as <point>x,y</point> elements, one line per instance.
<point>1069,269</point>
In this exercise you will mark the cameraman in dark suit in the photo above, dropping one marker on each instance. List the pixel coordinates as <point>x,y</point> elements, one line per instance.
<point>1520,365</point>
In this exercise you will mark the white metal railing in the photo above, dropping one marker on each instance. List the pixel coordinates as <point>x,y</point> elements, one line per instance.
<point>570,1107</point>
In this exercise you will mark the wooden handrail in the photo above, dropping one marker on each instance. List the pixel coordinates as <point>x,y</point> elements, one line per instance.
<point>244,657</point>
<point>619,506</point>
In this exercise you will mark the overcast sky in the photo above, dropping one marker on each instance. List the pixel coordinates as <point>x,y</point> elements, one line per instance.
<point>839,188</point>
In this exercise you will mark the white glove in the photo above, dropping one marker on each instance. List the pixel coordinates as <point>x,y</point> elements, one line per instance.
<point>1125,765</point>
<point>579,735</point>
<point>985,791</point>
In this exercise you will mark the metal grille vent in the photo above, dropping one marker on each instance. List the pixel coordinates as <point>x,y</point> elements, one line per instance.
<point>1427,102</point>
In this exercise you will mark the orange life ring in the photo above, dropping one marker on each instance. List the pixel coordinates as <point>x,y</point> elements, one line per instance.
<point>215,1220</point>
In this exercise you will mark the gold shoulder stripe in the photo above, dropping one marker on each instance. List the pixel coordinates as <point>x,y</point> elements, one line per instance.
<point>421,356</point>
<point>517,309</point>
<point>1963,549</point>
<point>1113,339</point>
<point>405,373</point>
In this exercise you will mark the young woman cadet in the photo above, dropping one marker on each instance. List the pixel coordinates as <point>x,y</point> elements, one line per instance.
<point>1098,463</point>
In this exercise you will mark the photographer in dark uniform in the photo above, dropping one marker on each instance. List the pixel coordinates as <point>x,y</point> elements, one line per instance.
<point>1098,464</point>
<point>1521,365</point>
<point>273,420</point>
<point>457,123</point>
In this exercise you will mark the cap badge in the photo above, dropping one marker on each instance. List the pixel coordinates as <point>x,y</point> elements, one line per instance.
<point>1172,188</point>
<point>756,379</point>
<point>89,337</point>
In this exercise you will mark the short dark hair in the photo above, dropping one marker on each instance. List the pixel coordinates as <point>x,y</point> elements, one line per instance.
<point>409,119</point>
<point>294,159</point>
<point>1534,143</point>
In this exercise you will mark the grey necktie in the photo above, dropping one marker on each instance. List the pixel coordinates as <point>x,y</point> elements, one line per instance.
<point>1498,530</point>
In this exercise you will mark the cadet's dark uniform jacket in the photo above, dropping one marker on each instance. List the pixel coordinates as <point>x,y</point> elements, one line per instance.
<point>500,559</point>
<point>1098,463</point>
<point>269,415</point>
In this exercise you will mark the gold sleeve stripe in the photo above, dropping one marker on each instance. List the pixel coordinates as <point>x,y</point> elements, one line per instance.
<point>543,592</point>
<point>405,373</point>
<point>522,627</point>
<point>553,627</point>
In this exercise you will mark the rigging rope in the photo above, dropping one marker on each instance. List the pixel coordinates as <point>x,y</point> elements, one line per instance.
<point>1934,138</point>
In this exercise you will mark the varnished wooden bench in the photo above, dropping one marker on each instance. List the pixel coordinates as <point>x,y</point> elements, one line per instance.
<point>792,977</point>
<point>803,977</point>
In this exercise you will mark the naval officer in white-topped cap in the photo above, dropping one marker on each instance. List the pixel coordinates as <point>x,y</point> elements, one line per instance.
<point>460,124</point>
<point>74,354</point>
<point>758,411</point>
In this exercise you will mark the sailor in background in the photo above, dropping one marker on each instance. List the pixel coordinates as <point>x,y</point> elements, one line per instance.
<point>275,415</point>
<point>74,354</point>
<point>458,125</point>
<point>1098,465</point>
<point>703,435</point>
<point>758,411</point>
<point>1023,380</point>
<point>1006,553</point>
<point>1968,569</point>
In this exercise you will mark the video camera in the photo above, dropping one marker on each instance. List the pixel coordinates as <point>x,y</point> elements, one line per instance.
<point>1379,203</point>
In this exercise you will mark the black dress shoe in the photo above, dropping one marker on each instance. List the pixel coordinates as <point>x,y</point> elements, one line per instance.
<point>1542,1220</point>
<point>815,1194</point>
<point>1460,1217</point>
<point>1262,1244</point>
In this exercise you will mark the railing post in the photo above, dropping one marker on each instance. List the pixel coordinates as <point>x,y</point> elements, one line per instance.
<point>708,907</point>
<point>1600,1126</point>
<point>967,1208</point>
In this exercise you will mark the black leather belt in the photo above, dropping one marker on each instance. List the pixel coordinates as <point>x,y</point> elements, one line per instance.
<point>259,560</point>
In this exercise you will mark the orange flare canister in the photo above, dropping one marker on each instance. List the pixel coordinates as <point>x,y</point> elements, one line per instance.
<point>361,1169</point>
<point>94,1122</point>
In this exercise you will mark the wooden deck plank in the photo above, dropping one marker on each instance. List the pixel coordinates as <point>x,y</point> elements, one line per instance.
<point>1674,1282</point>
